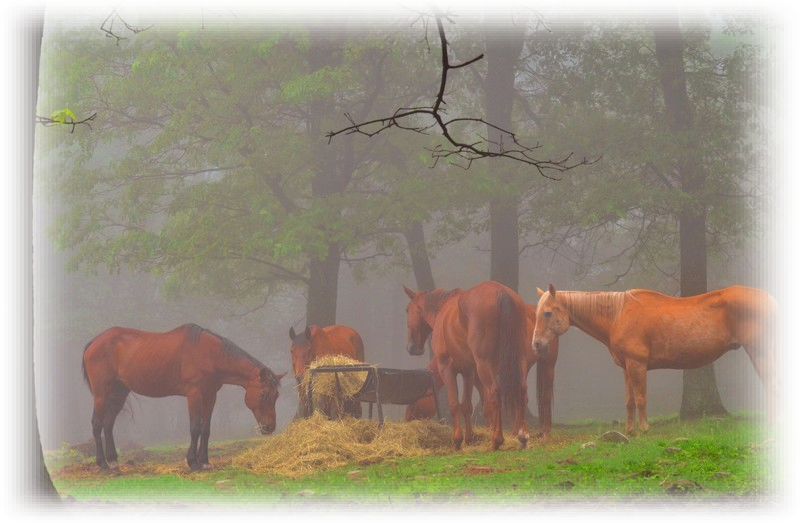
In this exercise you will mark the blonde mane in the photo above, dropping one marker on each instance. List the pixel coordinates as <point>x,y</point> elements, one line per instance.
<point>592,304</point>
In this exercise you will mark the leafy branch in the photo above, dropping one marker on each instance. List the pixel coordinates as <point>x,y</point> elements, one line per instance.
<point>65,117</point>
<point>457,147</point>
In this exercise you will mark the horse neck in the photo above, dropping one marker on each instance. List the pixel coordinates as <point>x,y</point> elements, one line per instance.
<point>593,312</point>
<point>434,301</point>
<point>235,369</point>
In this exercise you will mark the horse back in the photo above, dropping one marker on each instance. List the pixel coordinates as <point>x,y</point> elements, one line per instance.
<point>339,340</point>
<point>148,363</point>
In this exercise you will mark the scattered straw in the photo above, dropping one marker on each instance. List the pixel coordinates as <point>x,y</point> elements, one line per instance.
<point>316,444</point>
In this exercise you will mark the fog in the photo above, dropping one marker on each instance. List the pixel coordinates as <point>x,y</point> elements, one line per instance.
<point>97,188</point>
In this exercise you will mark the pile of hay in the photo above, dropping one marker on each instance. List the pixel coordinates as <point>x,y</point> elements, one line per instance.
<point>326,389</point>
<point>317,444</point>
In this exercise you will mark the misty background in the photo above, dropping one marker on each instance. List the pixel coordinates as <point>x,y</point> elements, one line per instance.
<point>113,288</point>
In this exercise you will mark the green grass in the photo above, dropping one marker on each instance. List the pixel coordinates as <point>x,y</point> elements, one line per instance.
<point>704,459</point>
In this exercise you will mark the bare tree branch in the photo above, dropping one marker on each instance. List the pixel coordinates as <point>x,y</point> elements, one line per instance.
<point>456,147</point>
<point>115,17</point>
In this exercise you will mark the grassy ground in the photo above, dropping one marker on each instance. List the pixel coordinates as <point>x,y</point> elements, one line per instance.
<point>710,459</point>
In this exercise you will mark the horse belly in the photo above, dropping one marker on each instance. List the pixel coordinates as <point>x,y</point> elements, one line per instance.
<point>156,376</point>
<point>686,353</point>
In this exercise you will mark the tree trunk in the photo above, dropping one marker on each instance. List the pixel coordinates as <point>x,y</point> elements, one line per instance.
<point>333,165</point>
<point>503,49</point>
<point>323,288</point>
<point>700,392</point>
<point>420,261</point>
<point>28,493</point>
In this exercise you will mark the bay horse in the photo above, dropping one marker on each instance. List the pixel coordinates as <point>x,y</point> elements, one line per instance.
<point>645,330</point>
<point>478,333</point>
<point>425,407</point>
<point>316,342</point>
<point>187,361</point>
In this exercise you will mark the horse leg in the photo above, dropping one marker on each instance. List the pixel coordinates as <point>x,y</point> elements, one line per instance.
<point>210,400</point>
<point>546,374</point>
<point>637,377</point>
<point>97,430</point>
<point>520,429</point>
<point>491,404</point>
<point>451,386</point>
<point>195,401</point>
<point>103,421</point>
<point>466,405</point>
<point>764,365</point>
<point>630,403</point>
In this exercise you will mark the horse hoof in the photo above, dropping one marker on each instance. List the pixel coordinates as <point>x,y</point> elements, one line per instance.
<point>207,466</point>
<point>523,438</point>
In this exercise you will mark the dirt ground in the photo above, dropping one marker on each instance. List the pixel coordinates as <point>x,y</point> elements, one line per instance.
<point>735,509</point>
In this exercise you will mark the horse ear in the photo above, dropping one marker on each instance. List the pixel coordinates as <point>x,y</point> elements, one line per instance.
<point>308,332</point>
<point>540,291</point>
<point>281,375</point>
<point>411,294</point>
<point>552,290</point>
<point>292,334</point>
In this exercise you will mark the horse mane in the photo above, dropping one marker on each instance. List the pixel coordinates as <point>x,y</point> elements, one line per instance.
<point>589,304</point>
<point>434,299</point>
<point>230,348</point>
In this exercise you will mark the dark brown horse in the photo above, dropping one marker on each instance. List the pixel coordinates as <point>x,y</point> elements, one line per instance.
<point>425,407</point>
<point>188,361</point>
<point>479,333</point>
<point>316,342</point>
<point>646,330</point>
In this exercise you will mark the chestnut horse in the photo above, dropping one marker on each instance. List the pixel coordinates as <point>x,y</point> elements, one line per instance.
<point>479,333</point>
<point>646,330</point>
<point>316,342</point>
<point>188,361</point>
<point>425,407</point>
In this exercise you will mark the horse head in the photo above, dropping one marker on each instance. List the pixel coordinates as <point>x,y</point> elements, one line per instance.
<point>418,327</point>
<point>302,351</point>
<point>260,397</point>
<point>552,320</point>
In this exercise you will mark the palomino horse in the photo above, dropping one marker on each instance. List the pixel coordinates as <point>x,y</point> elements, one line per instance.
<point>316,342</point>
<point>646,330</point>
<point>188,361</point>
<point>425,407</point>
<point>478,332</point>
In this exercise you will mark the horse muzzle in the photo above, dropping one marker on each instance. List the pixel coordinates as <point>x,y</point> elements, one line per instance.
<point>266,429</point>
<point>415,350</point>
<point>541,348</point>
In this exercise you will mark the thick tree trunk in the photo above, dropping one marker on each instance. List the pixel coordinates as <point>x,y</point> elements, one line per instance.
<point>503,49</point>
<point>28,493</point>
<point>420,261</point>
<point>323,288</point>
<point>700,392</point>
<point>334,167</point>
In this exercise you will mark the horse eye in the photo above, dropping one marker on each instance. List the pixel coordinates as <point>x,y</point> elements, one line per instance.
<point>548,314</point>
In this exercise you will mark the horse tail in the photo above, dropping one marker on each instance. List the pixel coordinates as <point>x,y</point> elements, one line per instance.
<point>511,329</point>
<point>777,347</point>
<point>83,367</point>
